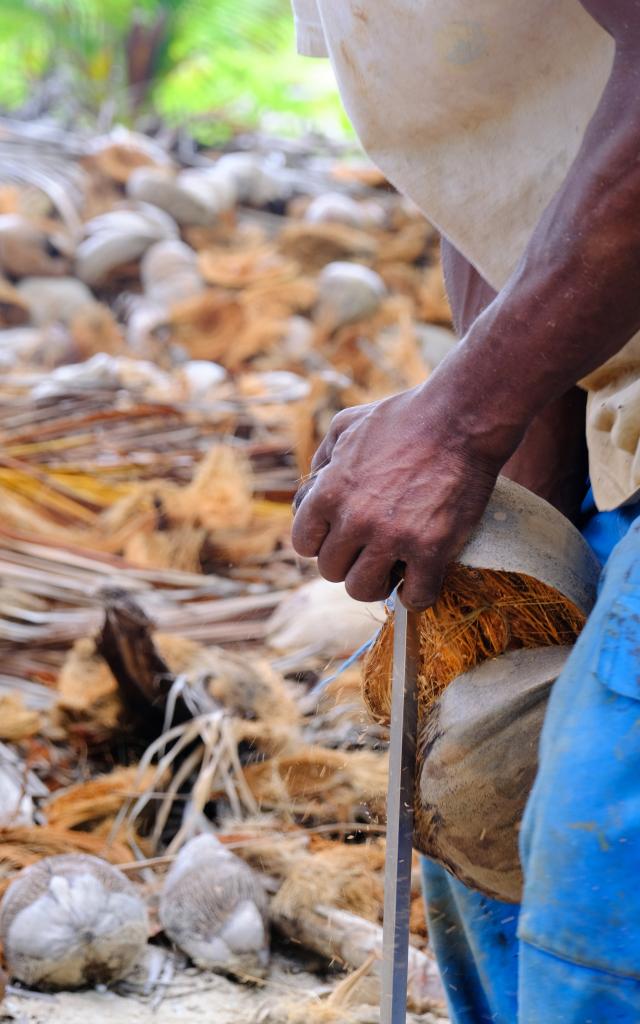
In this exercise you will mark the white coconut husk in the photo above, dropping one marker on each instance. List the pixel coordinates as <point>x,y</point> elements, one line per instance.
<point>255,180</point>
<point>182,199</point>
<point>115,238</point>
<point>70,922</point>
<point>320,616</point>
<point>214,908</point>
<point>347,292</point>
<point>169,272</point>
<point>54,299</point>
<point>342,209</point>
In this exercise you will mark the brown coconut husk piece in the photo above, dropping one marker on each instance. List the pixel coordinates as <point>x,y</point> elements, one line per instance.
<point>344,876</point>
<point>14,309</point>
<point>433,304</point>
<point>480,614</point>
<point>95,329</point>
<point>315,245</point>
<point>246,266</point>
<point>17,722</point>
<point>97,799</point>
<point>320,784</point>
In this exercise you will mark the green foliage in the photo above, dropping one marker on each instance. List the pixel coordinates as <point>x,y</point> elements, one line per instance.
<point>210,64</point>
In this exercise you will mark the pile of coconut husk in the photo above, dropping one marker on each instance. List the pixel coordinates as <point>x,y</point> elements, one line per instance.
<point>177,729</point>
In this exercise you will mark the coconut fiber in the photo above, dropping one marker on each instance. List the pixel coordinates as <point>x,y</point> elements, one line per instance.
<point>480,614</point>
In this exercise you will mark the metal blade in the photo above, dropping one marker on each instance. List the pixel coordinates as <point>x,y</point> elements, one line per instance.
<point>400,797</point>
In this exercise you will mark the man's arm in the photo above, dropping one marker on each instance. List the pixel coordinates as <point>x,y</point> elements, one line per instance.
<point>405,484</point>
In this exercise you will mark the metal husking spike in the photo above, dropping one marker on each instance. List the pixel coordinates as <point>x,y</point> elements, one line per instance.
<point>400,803</point>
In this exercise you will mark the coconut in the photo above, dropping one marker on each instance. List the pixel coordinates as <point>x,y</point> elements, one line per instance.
<point>53,300</point>
<point>479,756</point>
<point>169,272</point>
<point>321,617</point>
<point>72,921</point>
<point>342,209</point>
<point>348,292</point>
<point>187,200</point>
<point>214,908</point>
<point>117,237</point>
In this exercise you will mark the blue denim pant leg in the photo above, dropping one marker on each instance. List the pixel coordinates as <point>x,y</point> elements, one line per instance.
<point>489,974</point>
<point>579,926</point>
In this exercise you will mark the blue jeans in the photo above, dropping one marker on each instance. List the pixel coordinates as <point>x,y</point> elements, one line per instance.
<point>570,954</point>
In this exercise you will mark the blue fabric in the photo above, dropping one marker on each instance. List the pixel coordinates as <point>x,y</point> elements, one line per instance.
<point>571,953</point>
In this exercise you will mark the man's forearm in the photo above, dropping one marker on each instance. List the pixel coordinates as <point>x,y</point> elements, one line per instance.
<point>574,300</point>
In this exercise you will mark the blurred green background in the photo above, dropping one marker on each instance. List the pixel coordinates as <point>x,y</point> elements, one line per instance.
<point>213,67</point>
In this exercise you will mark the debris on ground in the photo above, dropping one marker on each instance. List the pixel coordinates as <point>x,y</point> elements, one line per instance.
<point>174,341</point>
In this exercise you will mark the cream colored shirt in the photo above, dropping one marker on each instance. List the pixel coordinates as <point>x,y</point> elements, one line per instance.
<point>476,109</point>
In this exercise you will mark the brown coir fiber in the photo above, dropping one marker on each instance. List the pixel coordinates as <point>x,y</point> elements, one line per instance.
<point>480,614</point>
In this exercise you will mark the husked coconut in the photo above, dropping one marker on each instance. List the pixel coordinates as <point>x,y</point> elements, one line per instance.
<point>337,207</point>
<point>72,921</point>
<point>255,179</point>
<point>52,300</point>
<point>321,616</point>
<point>347,292</point>
<point>169,272</point>
<point>214,908</point>
<point>164,188</point>
<point>115,238</point>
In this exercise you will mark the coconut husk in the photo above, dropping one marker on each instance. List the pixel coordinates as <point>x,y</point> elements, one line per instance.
<point>89,803</point>
<point>95,329</point>
<point>118,160</point>
<point>14,309</point>
<point>87,687</point>
<point>180,548</point>
<point>406,245</point>
<point>315,245</point>
<point>480,614</point>
<point>259,264</point>
<point>17,722</point>
<point>433,304</point>
<point>321,784</point>
<point>342,876</point>
<point>215,325</point>
<point>21,847</point>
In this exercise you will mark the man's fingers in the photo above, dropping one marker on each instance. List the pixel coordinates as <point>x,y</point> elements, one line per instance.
<point>422,584</point>
<point>336,556</point>
<point>309,528</point>
<point>370,577</point>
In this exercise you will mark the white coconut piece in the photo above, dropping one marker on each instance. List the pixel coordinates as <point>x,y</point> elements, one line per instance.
<point>169,272</point>
<point>72,921</point>
<point>322,617</point>
<point>435,342</point>
<point>213,907</point>
<point>335,207</point>
<point>347,292</point>
<point>297,342</point>
<point>179,197</point>
<point>36,346</point>
<point>121,136</point>
<point>105,371</point>
<point>278,387</point>
<point>119,236</point>
<point>199,377</point>
<point>256,180</point>
<point>54,299</point>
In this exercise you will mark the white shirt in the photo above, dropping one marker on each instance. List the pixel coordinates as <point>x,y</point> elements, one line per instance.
<point>475,109</point>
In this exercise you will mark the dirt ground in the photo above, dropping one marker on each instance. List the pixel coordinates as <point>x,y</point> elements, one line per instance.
<point>191,997</point>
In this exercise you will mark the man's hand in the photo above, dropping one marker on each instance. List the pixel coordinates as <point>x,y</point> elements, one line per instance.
<point>395,493</point>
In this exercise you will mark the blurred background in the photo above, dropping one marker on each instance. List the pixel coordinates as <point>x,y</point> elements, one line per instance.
<point>207,68</point>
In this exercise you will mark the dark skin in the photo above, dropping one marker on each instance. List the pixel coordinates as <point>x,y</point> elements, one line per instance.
<point>401,483</point>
